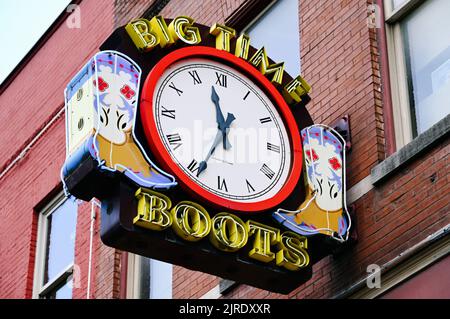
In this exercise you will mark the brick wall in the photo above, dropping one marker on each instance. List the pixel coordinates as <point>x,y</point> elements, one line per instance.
<point>337,52</point>
<point>27,105</point>
<point>191,284</point>
<point>204,12</point>
<point>126,10</point>
<point>340,58</point>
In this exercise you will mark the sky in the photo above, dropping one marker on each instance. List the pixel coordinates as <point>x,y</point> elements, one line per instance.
<point>22,23</point>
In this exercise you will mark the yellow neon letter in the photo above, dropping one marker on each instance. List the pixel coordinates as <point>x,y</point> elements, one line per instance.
<point>242,46</point>
<point>223,35</point>
<point>190,221</point>
<point>142,35</point>
<point>229,233</point>
<point>295,89</point>
<point>181,28</point>
<point>159,26</point>
<point>152,210</point>
<point>292,254</point>
<point>265,236</point>
<point>260,60</point>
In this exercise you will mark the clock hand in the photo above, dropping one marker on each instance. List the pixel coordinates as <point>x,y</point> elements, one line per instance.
<point>219,116</point>
<point>230,118</point>
<point>202,166</point>
<point>223,124</point>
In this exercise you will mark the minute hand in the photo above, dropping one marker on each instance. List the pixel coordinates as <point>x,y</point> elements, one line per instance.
<point>203,164</point>
<point>223,124</point>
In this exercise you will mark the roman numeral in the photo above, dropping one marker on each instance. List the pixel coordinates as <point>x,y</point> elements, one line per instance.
<point>168,113</point>
<point>265,120</point>
<point>267,171</point>
<point>221,79</point>
<point>249,187</point>
<point>221,184</point>
<point>246,95</point>
<point>172,86</point>
<point>193,166</point>
<point>196,77</point>
<point>174,139</point>
<point>274,148</point>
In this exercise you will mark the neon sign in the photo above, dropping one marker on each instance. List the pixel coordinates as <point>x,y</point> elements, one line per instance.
<point>261,223</point>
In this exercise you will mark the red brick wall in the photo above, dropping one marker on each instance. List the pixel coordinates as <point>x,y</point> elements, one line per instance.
<point>206,12</point>
<point>27,105</point>
<point>337,52</point>
<point>126,10</point>
<point>339,58</point>
<point>31,180</point>
<point>191,284</point>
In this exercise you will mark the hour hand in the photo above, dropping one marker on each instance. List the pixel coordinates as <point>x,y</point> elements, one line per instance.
<point>219,116</point>
<point>223,124</point>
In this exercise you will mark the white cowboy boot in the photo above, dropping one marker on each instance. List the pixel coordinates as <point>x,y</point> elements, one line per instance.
<point>101,104</point>
<point>324,210</point>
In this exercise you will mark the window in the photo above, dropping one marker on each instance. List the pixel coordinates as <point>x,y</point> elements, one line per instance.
<point>419,54</point>
<point>277,29</point>
<point>55,250</point>
<point>423,275</point>
<point>148,278</point>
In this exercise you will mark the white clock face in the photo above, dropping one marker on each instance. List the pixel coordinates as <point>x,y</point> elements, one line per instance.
<point>253,163</point>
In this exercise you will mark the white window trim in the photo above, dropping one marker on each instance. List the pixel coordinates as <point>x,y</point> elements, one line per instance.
<point>39,289</point>
<point>403,125</point>
<point>393,16</point>
<point>407,269</point>
<point>133,276</point>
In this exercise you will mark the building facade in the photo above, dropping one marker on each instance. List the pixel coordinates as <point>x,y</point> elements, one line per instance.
<point>384,65</point>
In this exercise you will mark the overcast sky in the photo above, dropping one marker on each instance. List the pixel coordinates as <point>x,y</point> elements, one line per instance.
<point>22,23</point>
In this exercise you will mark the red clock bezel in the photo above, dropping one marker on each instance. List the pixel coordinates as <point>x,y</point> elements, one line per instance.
<point>162,155</point>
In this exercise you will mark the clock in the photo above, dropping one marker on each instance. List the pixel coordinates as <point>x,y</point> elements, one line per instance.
<point>221,127</point>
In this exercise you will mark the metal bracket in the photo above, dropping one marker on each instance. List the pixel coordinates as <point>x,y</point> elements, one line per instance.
<point>342,126</point>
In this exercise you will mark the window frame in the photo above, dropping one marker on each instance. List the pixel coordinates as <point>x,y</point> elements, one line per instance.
<point>407,269</point>
<point>246,13</point>
<point>39,289</point>
<point>135,264</point>
<point>404,117</point>
<point>133,276</point>
<point>253,21</point>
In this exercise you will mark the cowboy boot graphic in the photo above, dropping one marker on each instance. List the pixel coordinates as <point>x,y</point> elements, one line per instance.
<point>324,210</point>
<point>110,82</point>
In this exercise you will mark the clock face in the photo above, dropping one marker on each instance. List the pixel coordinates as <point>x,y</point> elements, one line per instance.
<point>221,131</point>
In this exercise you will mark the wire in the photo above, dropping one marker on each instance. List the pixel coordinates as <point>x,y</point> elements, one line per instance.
<point>31,144</point>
